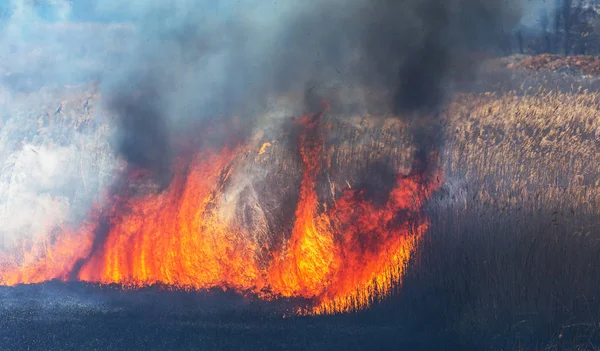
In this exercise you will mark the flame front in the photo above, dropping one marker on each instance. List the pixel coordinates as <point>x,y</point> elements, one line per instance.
<point>341,258</point>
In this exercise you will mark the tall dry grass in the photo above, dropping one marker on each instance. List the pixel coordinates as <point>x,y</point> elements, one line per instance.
<point>512,260</point>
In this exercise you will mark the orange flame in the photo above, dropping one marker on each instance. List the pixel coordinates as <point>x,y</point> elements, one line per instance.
<point>342,258</point>
<point>264,147</point>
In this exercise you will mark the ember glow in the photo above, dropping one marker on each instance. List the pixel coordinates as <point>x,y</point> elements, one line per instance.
<point>340,257</point>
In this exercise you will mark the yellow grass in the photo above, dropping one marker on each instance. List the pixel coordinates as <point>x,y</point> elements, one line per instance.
<point>543,144</point>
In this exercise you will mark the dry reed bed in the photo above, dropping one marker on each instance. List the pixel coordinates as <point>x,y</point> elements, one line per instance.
<point>511,260</point>
<point>543,145</point>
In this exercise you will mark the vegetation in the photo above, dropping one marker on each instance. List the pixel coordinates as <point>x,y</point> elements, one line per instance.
<point>585,65</point>
<point>569,27</point>
<point>511,261</point>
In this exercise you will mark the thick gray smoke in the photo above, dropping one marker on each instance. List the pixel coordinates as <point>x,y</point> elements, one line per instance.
<point>191,65</point>
<point>165,68</point>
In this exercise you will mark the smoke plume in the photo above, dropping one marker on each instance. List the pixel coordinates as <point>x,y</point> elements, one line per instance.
<point>194,66</point>
<point>165,68</point>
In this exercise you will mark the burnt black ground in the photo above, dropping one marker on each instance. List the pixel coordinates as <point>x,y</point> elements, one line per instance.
<point>485,278</point>
<point>75,316</point>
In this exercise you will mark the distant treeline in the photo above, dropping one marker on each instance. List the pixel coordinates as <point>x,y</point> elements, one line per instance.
<point>569,27</point>
<point>573,28</point>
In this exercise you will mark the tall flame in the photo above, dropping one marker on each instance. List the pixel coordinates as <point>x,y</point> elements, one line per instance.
<point>342,258</point>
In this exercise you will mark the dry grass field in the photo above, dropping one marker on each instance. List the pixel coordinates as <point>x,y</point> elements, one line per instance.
<point>511,261</point>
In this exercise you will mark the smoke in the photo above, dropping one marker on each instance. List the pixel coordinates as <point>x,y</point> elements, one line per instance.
<point>197,62</point>
<point>25,194</point>
<point>166,68</point>
<point>420,49</point>
<point>538,14</point>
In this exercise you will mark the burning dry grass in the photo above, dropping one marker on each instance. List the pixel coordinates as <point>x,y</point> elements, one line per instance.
<point>511,256</point>
<point>342,253</point>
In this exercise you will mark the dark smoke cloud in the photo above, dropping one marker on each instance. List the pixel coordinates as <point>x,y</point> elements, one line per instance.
<point>418,49</point>
<point>193,62</point>
<point>205,68</point>
<point>143,137</point>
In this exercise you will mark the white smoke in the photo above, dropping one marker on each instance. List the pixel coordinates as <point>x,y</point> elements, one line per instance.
<point>28,177</point>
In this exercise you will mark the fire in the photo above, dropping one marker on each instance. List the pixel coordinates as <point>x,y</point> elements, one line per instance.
<point>341,258</point>
<point>264,147</point>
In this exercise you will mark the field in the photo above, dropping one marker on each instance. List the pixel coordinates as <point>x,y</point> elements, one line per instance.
<point>510,261</point>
